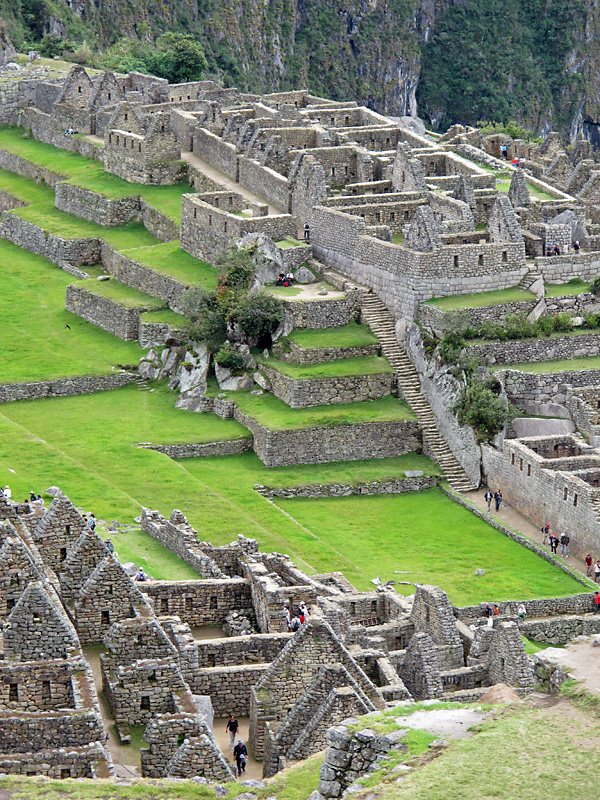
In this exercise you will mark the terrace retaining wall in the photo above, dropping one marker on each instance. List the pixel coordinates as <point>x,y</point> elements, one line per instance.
<point>77,252</point>
<point>138,276</point>
<point>532,350</point>
<point>303,393</point>
<point>63,387</point>
<point>104,313</point>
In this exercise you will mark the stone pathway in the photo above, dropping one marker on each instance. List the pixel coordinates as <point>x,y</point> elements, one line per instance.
<point>225,181</point>
<point>507,515</point>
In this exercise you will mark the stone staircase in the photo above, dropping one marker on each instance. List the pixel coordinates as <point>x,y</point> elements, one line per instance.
<point>528,280</point>
<point>381,322</point>
<point>142,383</point>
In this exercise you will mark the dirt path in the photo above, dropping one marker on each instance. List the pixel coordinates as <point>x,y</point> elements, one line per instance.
<point>447,723</point>
<point>224,180</point>
<point>509,516</point>
<point>581,659</point>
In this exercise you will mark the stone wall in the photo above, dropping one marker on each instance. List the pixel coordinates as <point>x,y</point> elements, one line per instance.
<point>264,182</point>
<point>317,355</point>
<point>35,239</point>
<point>60,762</point>
<point>438,320</point>
<point>63,387</point>
<point>395,486</point>
<point>200,603</point>
<point>229,687</point>
<point>107,314</point>
<point>140,277</point>
<point>217,152</point>
<point>303,393</point>
<point>227,448</point>
<point>21,166</point>
<point>7,201</point>
<point>158,223</point>
<point>547,387</point>
<point>560,630</point>
<point>560,269</point>
<point>534,350</point>
<point>96,207</point>
<point>340,443</point>
<point>325,313</point>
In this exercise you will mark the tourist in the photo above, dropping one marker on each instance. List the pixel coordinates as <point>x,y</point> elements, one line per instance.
<point>109,546</point>
<point>232,727</point>
<point>280,279</point>
<point>295,624</point>
<point>306,232</point>
<point>522,612</point>
<point>288,618</point>
<point>556,250</point>
<point>289,278</point>
<point>487,611</point>
<point>576,246</point>
<point>597,603</point>
<point>7,492</point>
<point>488,497</point>
<point>553,543</point>
<point>240,754</point>
<point>140,575</point>
<point>504,151</point>
<point>545,532</point>
<point>515,161</point>
<point>496,611</point>
<point>32,497</point>
<point>588,565</point>
<point>548,251</point>
<point>498,499</point>
<point>564,545</point>
<point>597,572</point>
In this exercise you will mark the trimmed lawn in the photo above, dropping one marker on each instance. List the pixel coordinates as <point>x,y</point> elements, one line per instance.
<point>168,259</point>
<point>342,367</point>
<point>562,365</point>
<point>88,173</point>
<point>351,335</point>
<point>274,414</point>
<point>574,286</point>
<point>429,538</point>
<point>36,345</point>
<point>482,300</point>
<point>171,318</point>
<point>121,293</point>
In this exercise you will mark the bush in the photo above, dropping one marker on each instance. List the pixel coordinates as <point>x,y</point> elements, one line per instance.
<point>482,409</point>
<point>230,359</point>
<point>595,286</point>
<point>208,319</point>
<point>258,316</point>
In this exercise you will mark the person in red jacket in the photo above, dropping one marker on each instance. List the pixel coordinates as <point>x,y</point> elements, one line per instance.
<point>588,564</point>
<point>597,603</point>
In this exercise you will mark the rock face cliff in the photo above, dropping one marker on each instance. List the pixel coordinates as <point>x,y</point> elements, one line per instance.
<point>535,61</point>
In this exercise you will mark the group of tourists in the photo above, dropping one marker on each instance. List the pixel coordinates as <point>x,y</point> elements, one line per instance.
<point>240,753</point>
<point>590,568</point>
<point>299,618</point>
<point>496,497</point>
<point>285,279</point>
<point>553,541</point>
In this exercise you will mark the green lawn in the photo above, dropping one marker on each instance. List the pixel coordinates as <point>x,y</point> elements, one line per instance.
<point>342,367</point>
<point>172,319</point>
<point>461,301</point>
<point>168,259</point>
<point>35,343</point>
<point>422,534</point>
<point>290,241</point>
<point>351,335</point>
<point>121,293</point>
<point>574,286</point>
<point>89,173</point>
<point>561,365</point>
<point>284,291</point>
<point>274,414</point>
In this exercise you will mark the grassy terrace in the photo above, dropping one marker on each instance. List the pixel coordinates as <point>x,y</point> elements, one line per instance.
<point>560,365</point>
<point>121,293</point>
<point>480,300</point>
<point>503,185</point>
<point>167,316</point>
<point>89,173</point>
<point>351,335</point>
<point>167,258</point>
<point>574,286</point>
<point>288,242</point>
<point>276,415</point>
<point>343,367</point>
<point>35,343</point>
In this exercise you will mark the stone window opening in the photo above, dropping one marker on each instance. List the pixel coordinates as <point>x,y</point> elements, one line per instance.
<point>65,772</point>
<point>180,740</point>
<point>109,96</point>
<point>46,690</point>
<point>347,121</point>
<point>504,257</point>
<point>574,499</point>
<point>210,660</point>
<point>195,214</point>
<point>521,464</point>
<point>118,141</point>
<point>36,616</point>
<point>13,693</point>
<point>212,602</point>
<point>105,617</point>
<point>455,262</point>
<point>512,459</point>
<point>210,219</point>
<point>110,589</point>
<point>333,120</point>
<point>145,703</point>
<point>188,603</point>
<point>164,604</point>
<point>125,116</point>
<point>63,553</point>
<point>79,89</point>
<point>333,172</point>
<point>528,470</point>
<point>10,604</point>
<point>565,494</point>
<point>225,227</point>
<point>68,530</point>
<point>480,260</point>
<point>140,147</point>
<point>110,138</point>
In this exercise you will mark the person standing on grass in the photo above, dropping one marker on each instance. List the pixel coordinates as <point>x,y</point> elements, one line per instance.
<point>588,565</point>
<point>488,497</point>
<point>564,545</point>
<point>596,603</point>
<point>232,728</point>
<point>498,499</point>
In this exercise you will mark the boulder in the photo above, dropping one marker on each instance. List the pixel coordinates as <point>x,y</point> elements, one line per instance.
<point>229,382</point>
<point>532,426</point>
<point>267,258</point>
<point>148,371</point>
<point>304,275</point>
<point>193,371</point>
<point>54,491</point>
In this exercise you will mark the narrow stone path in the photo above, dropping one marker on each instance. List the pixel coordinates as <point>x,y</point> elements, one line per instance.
<point>225,181</point>
<point>514,519</point>
<point>382,323</point>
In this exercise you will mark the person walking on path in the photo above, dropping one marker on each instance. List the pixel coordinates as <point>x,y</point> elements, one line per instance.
<point>545,532</point>
<point>240,754</point>
<point>307,232</point>
<point>232,727</point>
<point>597,603</point>
<point>597,572</point>
<point>564,545</point>
<point>498,499</point>
<point>588,565</point>
<point>488,496</point>
<point>553,543</point>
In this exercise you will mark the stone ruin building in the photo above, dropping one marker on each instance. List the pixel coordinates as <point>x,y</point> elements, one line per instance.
<point>356,652</point>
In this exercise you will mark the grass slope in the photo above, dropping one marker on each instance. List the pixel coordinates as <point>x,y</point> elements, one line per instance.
<point>89,173</point>
<point>168,259</point>
<point>35,343</point>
